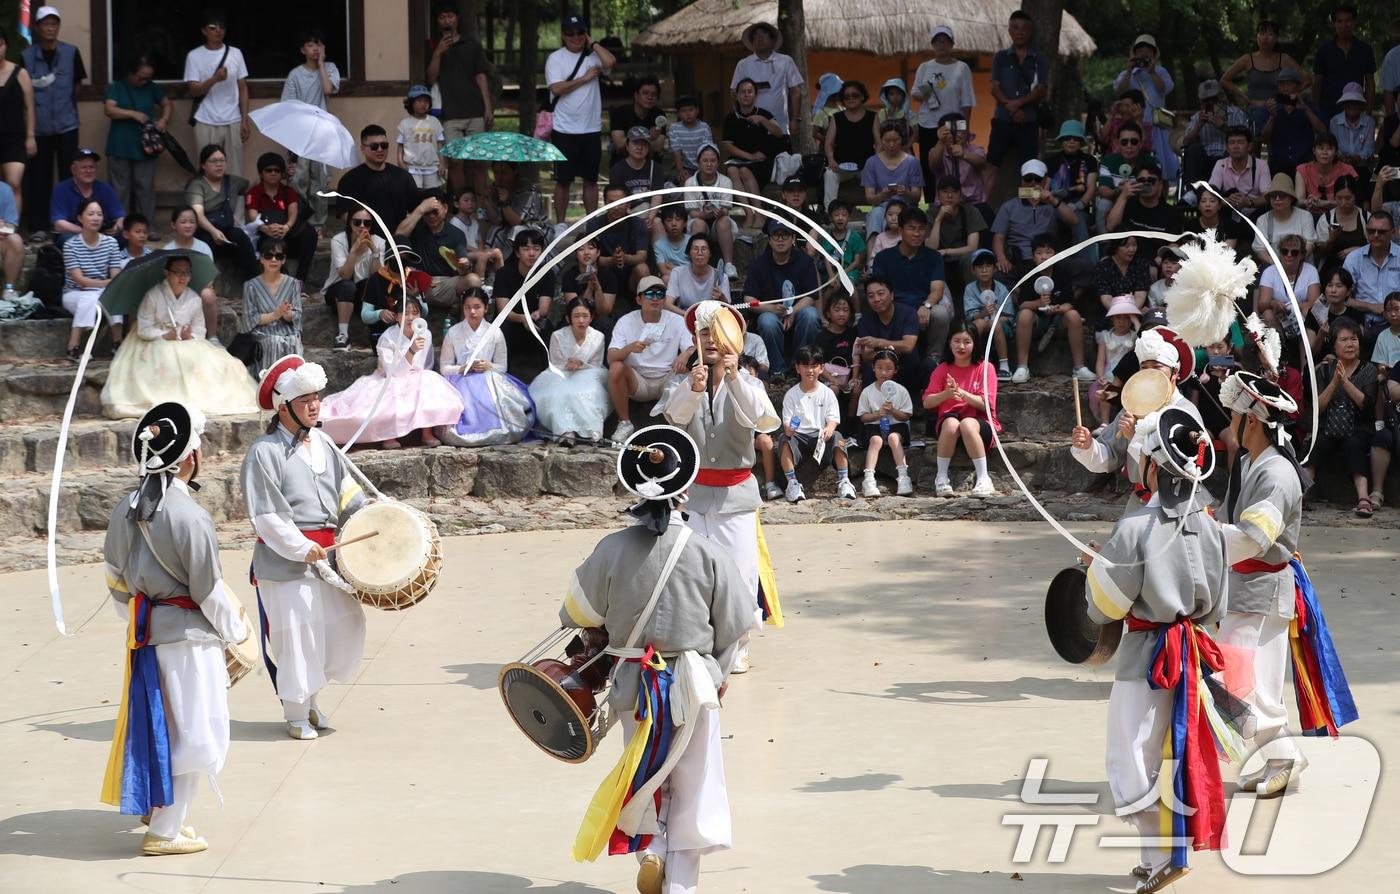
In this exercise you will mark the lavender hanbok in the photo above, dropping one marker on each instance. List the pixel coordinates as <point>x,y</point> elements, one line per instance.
<point>496,406</point>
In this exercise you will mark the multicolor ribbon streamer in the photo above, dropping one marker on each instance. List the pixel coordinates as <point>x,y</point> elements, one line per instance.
<point>1182,657</point>
<point>645,753</point>
<point>24,22</point>
<point>138,765</point>
<point>1324,697</point>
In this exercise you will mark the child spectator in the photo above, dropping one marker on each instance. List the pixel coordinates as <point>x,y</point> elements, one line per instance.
<point>1206,396</point>
<point>484,260</point>
<point>496,409</point>
<point>963,395</point>
<point>757,352</point>
<point>840,371</point>
<point>852,243</point>
<point>571,397</point>
<point>895,106</point>
<point>1115,343</point>
<point>419,399</point>
<point>670,249</point>
<point>709,211</point>
<point>686,137</point>
<point>884,410</point>
<point>420,137</point>
<point>810,417</point>
<point>889,236</point>
<point>1169,258</point>
<point>984,297</point>
<point>136,230</point>
<point>1043,316</point>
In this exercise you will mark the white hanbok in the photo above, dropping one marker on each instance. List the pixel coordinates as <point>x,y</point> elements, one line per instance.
<point>573,400</point>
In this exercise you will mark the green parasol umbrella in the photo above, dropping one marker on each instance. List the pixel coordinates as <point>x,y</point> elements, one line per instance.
<point>124,293</point>
<point>502,145</point>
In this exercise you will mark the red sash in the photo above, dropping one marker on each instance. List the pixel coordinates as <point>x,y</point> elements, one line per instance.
<point>322,537</point>
<point>1255,566</point>
<point>722,477</point>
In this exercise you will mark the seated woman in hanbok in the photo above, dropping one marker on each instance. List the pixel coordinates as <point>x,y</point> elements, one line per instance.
<point>169,358</point>
<point>418,399</point>
<point>272,307</point>
<point>573,402</point>
<point>496,407</point>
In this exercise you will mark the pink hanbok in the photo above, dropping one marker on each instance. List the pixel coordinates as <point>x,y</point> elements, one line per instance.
<point>417,397</point>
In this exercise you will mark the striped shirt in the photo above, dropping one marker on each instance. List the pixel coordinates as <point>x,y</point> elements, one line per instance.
<point>688,140</point>
<point>95,262</point>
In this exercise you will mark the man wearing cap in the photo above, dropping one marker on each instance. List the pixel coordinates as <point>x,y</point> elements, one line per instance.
<point>786,281</point>
<point>640,112</point>
<point>1074,176</point>
<point>1292,125</point>
<point>69,194</point>
<point>55,69</point>
<point>165,579</point>
<point>217,76</point>
<point>298,489</point>
<point>1115,446</point>
<point>1142,205</point>
<point>648,347</point>
<point>660,592</point>
<point>1163,572</point>
<point>779,82</point>
<point>572,72</point>
<point>1205,132</point>
<point>640,171</point>
<point>1020,220</point>
<point>942,85</point>
<point>1339,61</point>
<point>722,407</point>
<point>1144,72</point>
<point>1020,83</point>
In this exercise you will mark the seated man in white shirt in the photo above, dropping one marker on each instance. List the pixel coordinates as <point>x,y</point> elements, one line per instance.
<point>648,348</point>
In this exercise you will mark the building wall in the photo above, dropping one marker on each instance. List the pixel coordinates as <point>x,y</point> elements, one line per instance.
<point>386,68</point>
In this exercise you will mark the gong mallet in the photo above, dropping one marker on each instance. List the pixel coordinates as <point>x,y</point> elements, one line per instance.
<point>1078,413</point>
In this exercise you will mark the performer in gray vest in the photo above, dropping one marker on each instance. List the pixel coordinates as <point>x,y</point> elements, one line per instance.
<point>721,407</point>
<point>164,577</point>
<point>676,612</point>
<point>1262,521</point>
<point>299,489</point>
<point>1167,585</point>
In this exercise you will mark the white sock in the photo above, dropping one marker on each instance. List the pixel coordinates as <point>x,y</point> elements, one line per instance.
<point>943,467</point>
<point>344,329</point>
<point>869,473</point>
<point>901,470</point>
<point>1001,364</point>
<point>980,467</point>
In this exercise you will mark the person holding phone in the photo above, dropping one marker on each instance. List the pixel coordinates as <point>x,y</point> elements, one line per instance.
<point>459,68</point>
<point>955,154</point>
<point>1035,211</point>
<point>942,85</point>
<point>1293,124</point>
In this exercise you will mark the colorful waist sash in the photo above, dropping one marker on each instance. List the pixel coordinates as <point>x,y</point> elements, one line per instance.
<point>1255,566</point>
<point>1324,697</point>
<point>138,765</point>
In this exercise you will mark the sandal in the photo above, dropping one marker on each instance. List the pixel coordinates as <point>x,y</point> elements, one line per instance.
<point>1364,509</point>
<point>1377,499</point>
<point>74,354</point>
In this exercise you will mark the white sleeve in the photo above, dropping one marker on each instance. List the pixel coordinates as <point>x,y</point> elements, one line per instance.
<point>679,402</point>
<point>1239,546</point>
<point>903,401</point>
<point>282,537</point>
<point>833,409</point>
<point>333,74</point>
<point>237,68</point>
<point>792,403</point>
<point>219,610</point>
<point>191,69</point>
<point>751,404</point>
<point>557,357</point>
<point>447,358</point>
<point>1096,457</point>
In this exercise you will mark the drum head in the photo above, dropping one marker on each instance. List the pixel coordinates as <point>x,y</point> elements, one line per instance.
<point>545,713</point>
<point>1075,636</point>
<point>390,560</point>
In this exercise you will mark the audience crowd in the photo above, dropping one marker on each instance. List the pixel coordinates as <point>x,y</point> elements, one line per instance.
<point>934,223</point>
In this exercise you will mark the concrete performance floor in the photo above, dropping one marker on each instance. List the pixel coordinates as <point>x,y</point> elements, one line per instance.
<point>876,746</point>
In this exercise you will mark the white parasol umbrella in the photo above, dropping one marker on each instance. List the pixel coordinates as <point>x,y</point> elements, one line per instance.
<point>308,131</point>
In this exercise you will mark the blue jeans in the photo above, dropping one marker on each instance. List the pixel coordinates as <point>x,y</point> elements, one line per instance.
<point>804,332</point>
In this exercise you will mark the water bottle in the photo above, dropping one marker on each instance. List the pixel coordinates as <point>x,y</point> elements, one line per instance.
<point>884,426</point>
<point>887,390</point>
<point>796,423</point>
<point>10,294</point>
<point>788,292</point>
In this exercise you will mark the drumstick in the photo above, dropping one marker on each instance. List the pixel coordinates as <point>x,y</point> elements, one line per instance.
<point>336,546</point>
<point>1078,414</point>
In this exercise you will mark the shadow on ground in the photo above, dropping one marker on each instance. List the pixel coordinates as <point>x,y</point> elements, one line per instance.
<point>869,878</point>
<point>481,675</point>
<point>90,836</point>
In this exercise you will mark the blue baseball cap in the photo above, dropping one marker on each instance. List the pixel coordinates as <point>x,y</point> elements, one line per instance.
<point>573,23</point>
<point>981,253</point>
<point>418,90</point>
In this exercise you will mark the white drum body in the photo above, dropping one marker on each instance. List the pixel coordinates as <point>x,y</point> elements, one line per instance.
<point>397,567</point>
<point>241,658</point>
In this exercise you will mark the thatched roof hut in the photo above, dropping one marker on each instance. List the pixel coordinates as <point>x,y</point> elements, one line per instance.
<point>876,27</point>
